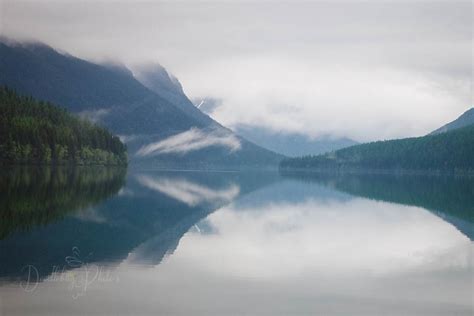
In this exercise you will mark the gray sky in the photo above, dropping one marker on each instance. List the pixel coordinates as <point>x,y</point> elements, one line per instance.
<point>366,70</point>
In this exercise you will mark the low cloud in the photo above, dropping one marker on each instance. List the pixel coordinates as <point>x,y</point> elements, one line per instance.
<point>95,116</point>
<point>127,138</point>
<point>191,140</point>
<point>188,192</point>
<point>315,98</point>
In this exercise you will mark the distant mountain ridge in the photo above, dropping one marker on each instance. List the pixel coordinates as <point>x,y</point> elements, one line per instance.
<point>466,119</point>
<point>290,144</point>
<point>293,144</point>
<point>145,107</point>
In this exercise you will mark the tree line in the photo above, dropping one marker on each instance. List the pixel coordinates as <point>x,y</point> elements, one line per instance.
<point>38,132</point>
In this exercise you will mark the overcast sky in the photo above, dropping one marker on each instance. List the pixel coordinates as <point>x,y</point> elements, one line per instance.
<point>366,70</point>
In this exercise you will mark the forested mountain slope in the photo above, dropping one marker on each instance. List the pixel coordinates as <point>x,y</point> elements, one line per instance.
<point>100,92</point>
<point>141,115</point>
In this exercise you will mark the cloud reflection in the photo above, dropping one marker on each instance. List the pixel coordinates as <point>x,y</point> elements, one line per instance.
<point>189,192</point>
<point>335,238</point>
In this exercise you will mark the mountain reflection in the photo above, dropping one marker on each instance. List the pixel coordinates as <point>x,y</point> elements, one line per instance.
<point>320,235</point>
<point>305,247</point>
<point>266,225</point>
<point>143,221</point>
<point>302,247</point>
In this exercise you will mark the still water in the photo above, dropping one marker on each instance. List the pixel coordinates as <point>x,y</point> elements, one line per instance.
<point>96,241</point>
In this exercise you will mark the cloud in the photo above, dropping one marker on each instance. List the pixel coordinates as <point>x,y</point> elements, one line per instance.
<point>189,192</point>
<point>317,98</point>
<point>361,69</point>
<point>191,140</point>
<point>94,116</point>
<point>127,138</point>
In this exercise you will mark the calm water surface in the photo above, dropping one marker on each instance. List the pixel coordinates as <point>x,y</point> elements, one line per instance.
<point>107,242</point>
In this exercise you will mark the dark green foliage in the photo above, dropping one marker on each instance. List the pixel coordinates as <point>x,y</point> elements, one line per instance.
<point>41,133</point>
<point>451,152</point>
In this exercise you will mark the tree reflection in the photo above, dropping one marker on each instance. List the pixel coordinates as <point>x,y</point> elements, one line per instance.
<point>32,197</point>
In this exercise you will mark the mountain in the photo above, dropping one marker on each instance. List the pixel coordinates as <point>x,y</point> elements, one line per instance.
<point>467,118</point>
<point>79,85</point>
<point>156,78</point>
<point>35,132</point>
<point>152,110</point>
<point>293,144</point>
<point>451,152</point>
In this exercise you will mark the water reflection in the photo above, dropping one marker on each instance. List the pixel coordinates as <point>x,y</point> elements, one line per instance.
<point>230,243</point>
<point>451,198</point>
<point>277,240</point>
<point>37,207</point>
<point>108,230</point>
<point>32,197</point>
<point>189,192</point>
<point>328,253</point>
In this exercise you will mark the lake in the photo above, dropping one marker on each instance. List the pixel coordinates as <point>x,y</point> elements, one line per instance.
<point>104,241</point>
